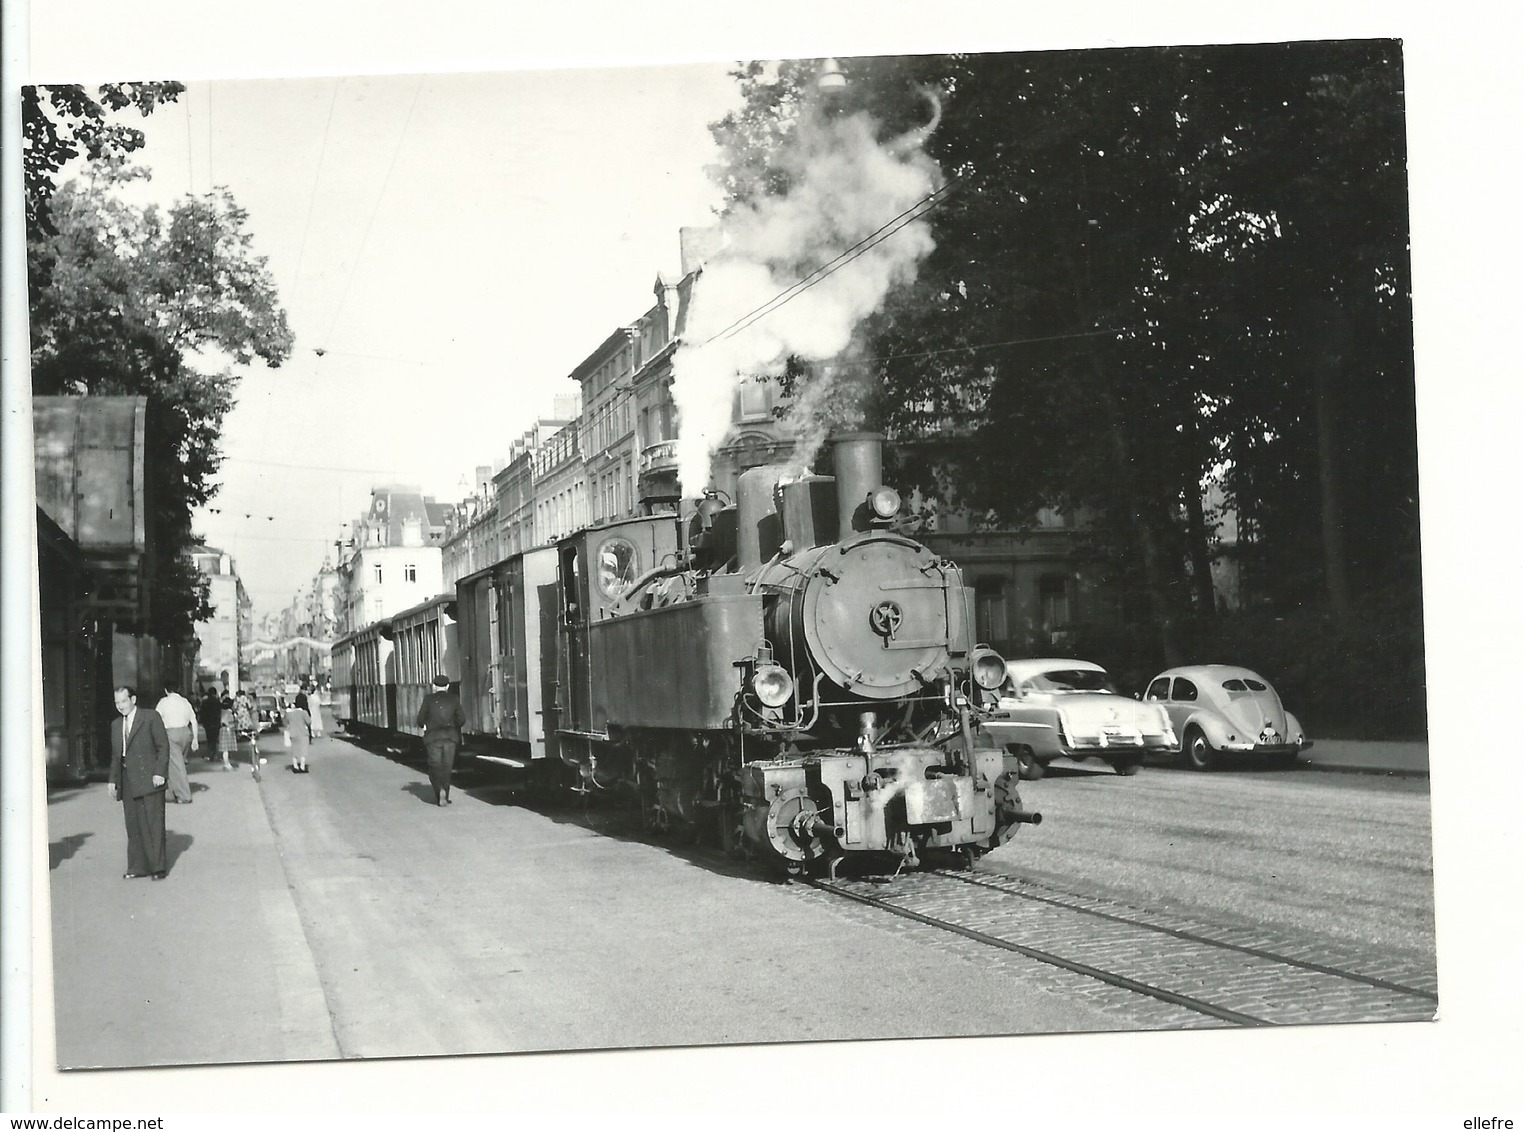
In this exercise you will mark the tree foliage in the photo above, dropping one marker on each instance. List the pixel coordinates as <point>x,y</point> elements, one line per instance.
<point>1158,272</point>
<point>130,300</point>
<point>65,122</point>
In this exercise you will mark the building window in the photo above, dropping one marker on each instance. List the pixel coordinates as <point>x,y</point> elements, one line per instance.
<point>754,397</point>
<point>989,610</point>
<point>1053,593</point>
<point>377,572</point>
<point>410,573</point>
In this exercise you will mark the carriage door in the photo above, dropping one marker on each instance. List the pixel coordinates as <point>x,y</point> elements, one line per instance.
<point>495,637</point>
<point>576,692</point>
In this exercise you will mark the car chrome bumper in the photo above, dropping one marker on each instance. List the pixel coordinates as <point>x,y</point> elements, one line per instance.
<point>1267,748</point>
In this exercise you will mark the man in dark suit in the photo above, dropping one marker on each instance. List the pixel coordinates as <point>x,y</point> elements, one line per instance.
<point>139,770</point>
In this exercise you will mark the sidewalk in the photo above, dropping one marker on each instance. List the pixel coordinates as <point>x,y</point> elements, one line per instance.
<point>211,961</point>
<point>1409,760</point>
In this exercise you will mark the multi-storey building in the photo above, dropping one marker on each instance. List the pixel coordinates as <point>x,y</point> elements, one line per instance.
<point>560,484</point>
<point>222,637</point>
<point>396,559</point>
<point>757,435</point>
<point>607,428</point>
<point>473,535</point>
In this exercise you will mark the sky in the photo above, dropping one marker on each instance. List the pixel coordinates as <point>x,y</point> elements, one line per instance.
<point>1464,90</point>
<point>447,249</point>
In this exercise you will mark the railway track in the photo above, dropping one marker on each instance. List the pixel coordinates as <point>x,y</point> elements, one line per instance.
<point>1159,969</point>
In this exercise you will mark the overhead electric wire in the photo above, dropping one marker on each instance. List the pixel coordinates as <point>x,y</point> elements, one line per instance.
<point>317,176</point>
<point>354,268</point>
<point>883,232</point>
<point>311,467</point>
<point>975,346</point>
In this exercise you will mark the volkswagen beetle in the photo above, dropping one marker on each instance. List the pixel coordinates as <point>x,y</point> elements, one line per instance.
<point>1054,708</point>
<point>1220,709</point>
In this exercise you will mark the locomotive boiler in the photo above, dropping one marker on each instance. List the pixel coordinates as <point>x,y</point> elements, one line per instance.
<point>789,670</point>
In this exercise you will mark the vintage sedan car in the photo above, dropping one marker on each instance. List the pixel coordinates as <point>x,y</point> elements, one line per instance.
<point>1050,709</point>
<point>1222,709</point>
<point>267,713</point>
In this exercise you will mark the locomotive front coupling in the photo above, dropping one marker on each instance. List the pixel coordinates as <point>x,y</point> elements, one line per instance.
<point>890,799</point>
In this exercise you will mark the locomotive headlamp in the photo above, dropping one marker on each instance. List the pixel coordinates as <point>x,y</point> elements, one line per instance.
<point>773,685</point>
<point>885,502</point>
<point>989,669</point>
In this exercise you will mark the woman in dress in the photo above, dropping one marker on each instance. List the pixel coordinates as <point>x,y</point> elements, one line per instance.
<point>315,712</point>
<point>299,729</point>
<point>227,733</point>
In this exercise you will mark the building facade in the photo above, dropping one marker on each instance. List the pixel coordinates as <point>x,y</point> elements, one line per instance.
<point>396,560</point>
<point>224,636</point>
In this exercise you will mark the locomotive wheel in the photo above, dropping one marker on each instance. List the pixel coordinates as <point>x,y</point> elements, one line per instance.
<point>652,820</point>
<point>732,836</point>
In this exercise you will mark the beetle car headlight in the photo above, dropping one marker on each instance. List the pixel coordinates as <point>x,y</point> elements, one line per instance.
<point>885,502</point>
<point>773,685</point>
<point>989,669</point>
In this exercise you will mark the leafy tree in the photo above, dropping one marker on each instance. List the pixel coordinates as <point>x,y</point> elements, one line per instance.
<point>62,123</point>
<point>1156,269</point>
<point>139,301</point>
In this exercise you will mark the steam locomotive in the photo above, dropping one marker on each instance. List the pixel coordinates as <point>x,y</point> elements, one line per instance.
<point>788,672</point>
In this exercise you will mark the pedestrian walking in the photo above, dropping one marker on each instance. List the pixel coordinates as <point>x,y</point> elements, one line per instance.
<point>315,710</point>
<point>441,718</point>
<point>139,771</point>
<point>243,717</point>
<point>299,733</point>
<point>227,732</point>
<point>210,713</point>
<point>179,720</point>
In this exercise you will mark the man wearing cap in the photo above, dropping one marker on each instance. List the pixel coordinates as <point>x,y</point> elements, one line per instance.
<point>441,718</point>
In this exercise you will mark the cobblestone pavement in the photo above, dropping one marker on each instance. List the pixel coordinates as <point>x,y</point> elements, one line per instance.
<point>1263,973</point>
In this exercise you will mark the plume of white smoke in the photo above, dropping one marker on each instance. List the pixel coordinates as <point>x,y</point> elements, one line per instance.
<point>845,185</point>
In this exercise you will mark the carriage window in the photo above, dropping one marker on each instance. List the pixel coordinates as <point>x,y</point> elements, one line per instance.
<point>1185,691</point>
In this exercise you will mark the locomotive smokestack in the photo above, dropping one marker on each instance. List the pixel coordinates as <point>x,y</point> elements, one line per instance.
<point>759,528</point>
<point>858,458</point>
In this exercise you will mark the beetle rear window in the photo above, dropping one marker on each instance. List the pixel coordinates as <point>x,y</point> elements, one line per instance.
<point>1256,686</point>
<point>1233,686</point>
